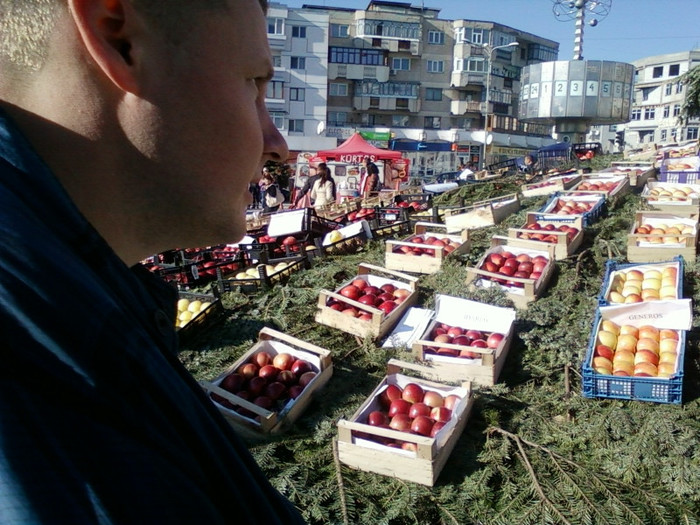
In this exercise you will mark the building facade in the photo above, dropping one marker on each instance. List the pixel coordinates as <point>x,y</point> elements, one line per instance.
<point>405,79</point>
<point>658,97</point>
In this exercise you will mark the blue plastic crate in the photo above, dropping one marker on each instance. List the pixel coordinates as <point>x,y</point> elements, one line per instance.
<point>588,218</point>
<point>652,389</point>
<point>612,266</point>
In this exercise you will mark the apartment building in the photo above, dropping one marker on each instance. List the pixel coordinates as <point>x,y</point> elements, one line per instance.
<point>658,96</point>
<point>408,80</point>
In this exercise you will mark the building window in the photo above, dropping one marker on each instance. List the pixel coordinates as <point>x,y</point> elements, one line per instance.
<point>368,119</point>
<point>374,102</point>
<point>649,113</point>
<point>667,111</point>
<point>676,110</point>
<point>404,45</point>
<point>662,135</point>
<point>636,114</point>
<point>436,37</point>
<point>298,63</point>
<point>399,30</point>
<point>433,94</point>
<point>658,72</point>
<point>296,125</point>
<point>339,30</point>
<point>352,55</point>
<point>296,94</point>
<point>669,89</point>
<point>399,121</point>
<point>401,103</point>
<point>476,65</point>
<point>275,89</point>
<point>674,70</point>
<point>477,36</point>
<point>338,90</point>
<point>691,134</point>
<point>431,122</point>
<point>298,31</point>
<point>275,26</point>
<point>508,83</point>
<point>401,64</point>
<point>679,87</point>
<point>277,119</point>
<point>612,128</point>
<point>276,60</point>
<point>337,118</point>
<point>436,66</point>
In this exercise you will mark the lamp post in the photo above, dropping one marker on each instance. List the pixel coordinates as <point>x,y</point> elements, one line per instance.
<point>489,57</point>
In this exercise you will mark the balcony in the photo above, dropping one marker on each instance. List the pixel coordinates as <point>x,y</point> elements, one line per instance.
<point>460,107</point>
<point>463,78</point>
<point>358,72</point>
<point>411,105</point>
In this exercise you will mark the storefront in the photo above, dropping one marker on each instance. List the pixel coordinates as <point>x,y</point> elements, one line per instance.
<point>428,158</point>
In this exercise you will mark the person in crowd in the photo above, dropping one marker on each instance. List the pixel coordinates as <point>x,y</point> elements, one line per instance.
<point>116,118</point>
<point>322,190</point>
<point>254,190</point>
<point>324,166</point>
<point>532,166</point>
<point>371,182</point>
<point>304,195</point>
<point>273,196</point>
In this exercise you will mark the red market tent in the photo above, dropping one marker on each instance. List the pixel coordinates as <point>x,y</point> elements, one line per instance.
<point>355,149</point>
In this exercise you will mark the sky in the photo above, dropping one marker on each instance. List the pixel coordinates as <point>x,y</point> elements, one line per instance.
<point>633,29</point>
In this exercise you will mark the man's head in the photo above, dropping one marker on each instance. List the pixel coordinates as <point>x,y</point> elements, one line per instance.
<point>151,113</point>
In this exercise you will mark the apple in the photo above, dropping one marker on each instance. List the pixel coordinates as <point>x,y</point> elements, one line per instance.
<point>283,361</point>
<point>295,391</point>
<point>389,394</point>
<point>436,428</point>
<point>377,418</point>
<point>422,425</point>
<point>494,339</point>
<point>451,401</point>
<point>399,406</point>
<point>474,334</point>
<point>441,414</point>
<point>306,378</point>
<point>286,377</point>
<point>385,296</point>
<point>413,393</point>
<point>359,283</point>
<point>419,409</point>
<point>447,352</point>
<point>387,306</point>
<point>249,370</point>
<point>400,421</point>
<point>264,402</point>
<point>268,372</point>
<point>256,385</point>
<point>442,338</point>
<point>388,288</point>
<point>455,331</point>
<point>433,399</point>
<point>350,291</point>
<point>479,343</point>
<point>233,382</point>
<point>301,366</point>
<point>289,241</point>
<point>368,299</point>
<point>461,340</point>
<point>275,390</point>
<point>372,290</point>
<point>261,359</point>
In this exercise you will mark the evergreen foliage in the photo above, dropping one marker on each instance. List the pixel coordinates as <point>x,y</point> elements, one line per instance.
<point>534,450</point>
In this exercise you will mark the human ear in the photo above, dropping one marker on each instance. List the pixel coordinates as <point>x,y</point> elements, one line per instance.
<point>106,28</point>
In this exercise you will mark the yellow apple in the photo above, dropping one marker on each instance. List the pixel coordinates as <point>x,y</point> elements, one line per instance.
<point>626,342</point>
<point>666,369</point>
<point>668,345</point>
<point>609,326</point>
<point>616,297</point>
<point>645,369</point>
<point>652,274</point>
<point>646,356</point>
<point>607,338</point>
<point>649,344</point>
<point>629,329</point>
<point>648,331</point>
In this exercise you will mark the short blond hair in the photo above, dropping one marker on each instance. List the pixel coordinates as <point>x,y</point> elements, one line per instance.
<point>26,25</point>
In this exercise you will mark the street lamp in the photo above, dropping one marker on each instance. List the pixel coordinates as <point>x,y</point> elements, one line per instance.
<point>489,57</point>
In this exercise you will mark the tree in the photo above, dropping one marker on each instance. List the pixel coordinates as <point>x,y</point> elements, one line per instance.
<point>691,104</point>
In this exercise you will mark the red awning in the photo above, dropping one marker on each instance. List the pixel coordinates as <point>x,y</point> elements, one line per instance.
<point>355,149</point>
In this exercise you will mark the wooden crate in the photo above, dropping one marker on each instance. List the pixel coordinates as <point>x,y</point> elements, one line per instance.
<point>264,421</point>
<point>531,290</point>
<point>596,201</point>
<point>482,213</point>
<point>622,186</point>
<point>637,172</point>
<point>262,276</point>
<point>564,247</point>
<point>550,185</point>
<point>203,319</point>
<point>358,449</point>
<point>380,324</point>
<point>466,314</point>
<point>676,203</point>
<point>410,262</point>
<point>639,249</point>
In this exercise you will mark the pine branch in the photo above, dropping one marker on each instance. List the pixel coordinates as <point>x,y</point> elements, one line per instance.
<point>341,485</point>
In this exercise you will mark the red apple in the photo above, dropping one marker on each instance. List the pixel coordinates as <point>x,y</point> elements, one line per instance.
<point>422,425</point>
<point>433,399</point>
<point>275,390</point>
<point>295,390</point>
<point>474,334</point>
<point>377,418</point>
<point>300,366</point>
<point>419,409</point>
<point>261,359</point>
<point>286,377</point>
<point>248,370</point>
<point>388,288</point>
<point>306,378</point>
<point>283,361</point>
<point>436,428</point>
<point>447,352</point>
<point>390,393</point>
<point>493,340</point>
<point>400,422</point>
<point>350,291</point>
<point>455,331</point>
<point>441,414</point>
<point>451,401</point>
<point>256,385</point>
<point>269,372</point>
<point>479,343</point>
<point>385,296</point>
<point>368,299</point>
<point>413,393</point>
<point>372,289</point>
<point>461,340</point>
<point>402,293</point>
<point>387,306</point>
<point>232,382</point>
<point>360,284</point>
<point>399,406</point>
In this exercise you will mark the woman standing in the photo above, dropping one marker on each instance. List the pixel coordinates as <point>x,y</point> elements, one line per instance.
<point>322,190</point>
<point>273,196</point>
